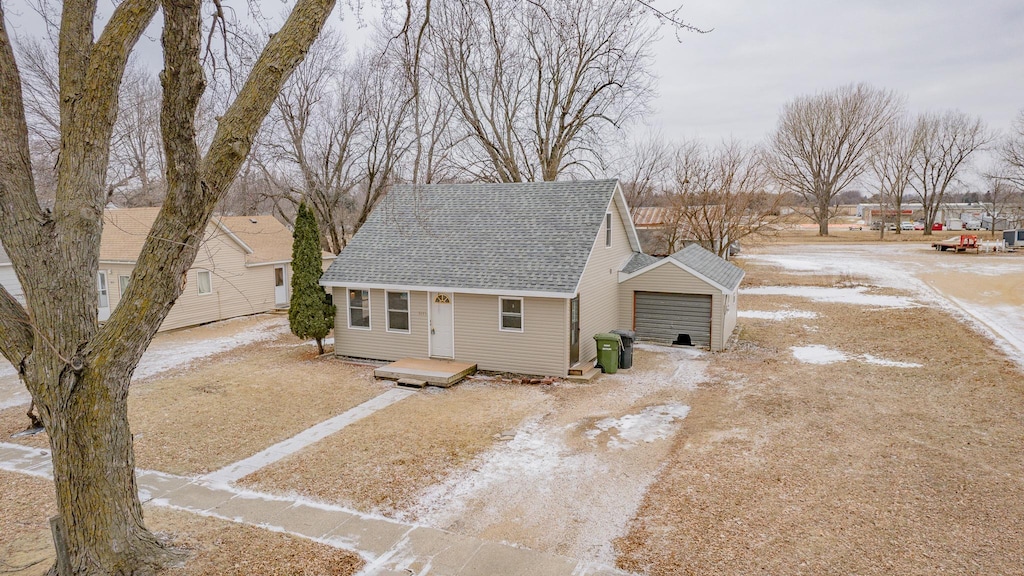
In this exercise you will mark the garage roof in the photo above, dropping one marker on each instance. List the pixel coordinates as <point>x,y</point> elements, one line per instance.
<point>709,265</point>
<point>695,259</point>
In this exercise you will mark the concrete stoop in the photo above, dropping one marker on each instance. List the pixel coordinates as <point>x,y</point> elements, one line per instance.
<point>388,546</point>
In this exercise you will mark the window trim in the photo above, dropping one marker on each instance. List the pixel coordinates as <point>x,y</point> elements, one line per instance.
<point>501,314</point>
<point>199,285</point>
<point>123,286</point>
<point>369,308</point>
<point>607,229</point>
<point>388,310</point>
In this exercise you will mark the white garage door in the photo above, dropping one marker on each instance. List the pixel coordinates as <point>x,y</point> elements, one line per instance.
<point>662,317</point>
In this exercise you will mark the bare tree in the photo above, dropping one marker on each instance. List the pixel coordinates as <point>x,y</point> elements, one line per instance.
<point>822,143</point>
<point>1011,153</point>
<point>642,168</point>
<point>719,196</point>
<point>135,174</point>
<point>947,141</point>
<point>892,159</point>
<point>538,86</point>
<point>76,370</point>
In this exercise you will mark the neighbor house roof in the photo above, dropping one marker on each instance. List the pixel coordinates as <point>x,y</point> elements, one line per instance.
<point>530,237</point>
<point>270,240</point>
<point>650,216</point>
<point>694,259</point>
<point>709,265</point>
<point>125,231</point>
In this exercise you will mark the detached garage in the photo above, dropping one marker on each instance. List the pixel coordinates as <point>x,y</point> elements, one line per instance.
<point>686,298</point>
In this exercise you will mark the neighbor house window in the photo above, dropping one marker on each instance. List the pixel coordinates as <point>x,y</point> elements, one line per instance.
<point>608,229</point>
<point>398,311</point>
<point>204,279</point>
<point>359,309</point>
<point>122,282</point>
<point>511,314</point>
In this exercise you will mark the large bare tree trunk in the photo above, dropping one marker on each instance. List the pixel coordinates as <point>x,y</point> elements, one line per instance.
<point>78,372</point>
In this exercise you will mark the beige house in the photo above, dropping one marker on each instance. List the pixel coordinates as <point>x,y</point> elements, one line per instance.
<point>518,278</point>
<point>243,266</point>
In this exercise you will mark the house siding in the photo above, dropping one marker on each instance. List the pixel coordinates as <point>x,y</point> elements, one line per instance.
<point>238,290</point>
<point>541,348</point>
<point>669,278</point>
<point>377,343</point>
<point>599,285</point>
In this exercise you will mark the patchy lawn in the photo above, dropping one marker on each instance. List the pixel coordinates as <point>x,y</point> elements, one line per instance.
<point>230,406</point>
<point>862,466</point>
<point>250,399</point>
<point>216,547</point>
<point>382,462</point>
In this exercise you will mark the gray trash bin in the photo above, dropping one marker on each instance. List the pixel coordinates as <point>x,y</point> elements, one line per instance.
<point>626,351</point>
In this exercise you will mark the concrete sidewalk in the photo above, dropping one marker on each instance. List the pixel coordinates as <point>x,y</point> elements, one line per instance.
<point>388,546</point>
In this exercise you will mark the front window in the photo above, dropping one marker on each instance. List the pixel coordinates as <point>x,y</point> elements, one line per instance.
<point>204,279</point>
<point>359,309</point>
<point>122,282</point>
<point>511,314</point>
<point>398,311</point>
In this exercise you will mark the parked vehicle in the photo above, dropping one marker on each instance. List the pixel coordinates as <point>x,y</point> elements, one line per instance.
<point>918,225</point>
<point>906,225</point>
<point>972,224</point>
<point>876,225</point>
<point>937,226</point>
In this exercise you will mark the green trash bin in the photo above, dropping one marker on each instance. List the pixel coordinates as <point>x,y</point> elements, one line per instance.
<point>608,352</point>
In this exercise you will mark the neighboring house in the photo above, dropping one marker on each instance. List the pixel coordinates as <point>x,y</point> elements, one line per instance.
<point>517,278</point>
<point>243,267</point>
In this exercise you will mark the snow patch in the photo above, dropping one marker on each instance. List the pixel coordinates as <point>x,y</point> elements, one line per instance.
<point>653,423</point>
<point>777,315</point>
<point>818,354</point>
<point>161,357</point>
<point>854,296</point>
<point>883,362</point>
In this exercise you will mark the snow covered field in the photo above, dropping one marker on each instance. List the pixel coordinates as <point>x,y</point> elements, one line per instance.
<point>987,290</point>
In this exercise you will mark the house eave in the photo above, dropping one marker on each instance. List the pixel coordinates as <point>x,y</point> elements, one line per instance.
<point>452,289</point>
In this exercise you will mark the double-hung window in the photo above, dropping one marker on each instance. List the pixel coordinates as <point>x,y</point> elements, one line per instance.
<point>359,309</point>
<point>608,229</point>
<point>398,311</point>
<point>122,283</point>
<point>511,312</point>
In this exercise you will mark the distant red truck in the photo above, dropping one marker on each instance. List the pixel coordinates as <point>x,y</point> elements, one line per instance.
<point>937,226</point>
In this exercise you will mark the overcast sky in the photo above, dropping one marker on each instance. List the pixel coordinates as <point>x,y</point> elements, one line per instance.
<point>938,53</point>
<point>733,81</point>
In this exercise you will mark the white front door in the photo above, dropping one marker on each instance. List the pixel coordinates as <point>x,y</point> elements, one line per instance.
<point>442,326</point>
<point>104,298</point>
<point>280,286</point>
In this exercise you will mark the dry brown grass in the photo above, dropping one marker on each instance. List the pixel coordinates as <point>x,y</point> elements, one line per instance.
<point>228,410</point>
<point>230,407</point>
<point>382,462</point>
<point>216,547</point>
<point>852,468</point>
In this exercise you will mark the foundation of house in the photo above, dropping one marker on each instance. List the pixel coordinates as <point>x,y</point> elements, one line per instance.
<point>432,371</point>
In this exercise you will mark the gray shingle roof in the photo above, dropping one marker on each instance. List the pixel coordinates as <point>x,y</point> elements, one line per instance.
<point>525,237</point>
<point>710,266</point>
<point>639,261</point>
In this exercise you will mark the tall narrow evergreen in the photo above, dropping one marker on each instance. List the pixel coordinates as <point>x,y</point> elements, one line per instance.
<point>310,315</point>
